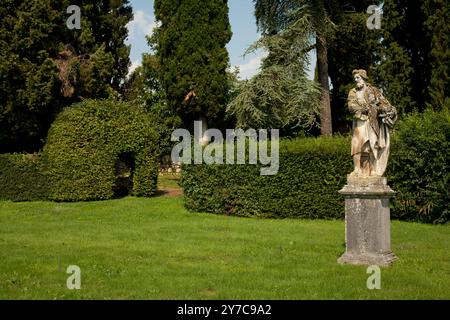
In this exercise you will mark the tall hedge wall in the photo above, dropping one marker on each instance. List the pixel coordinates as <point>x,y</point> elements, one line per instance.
<point>86,140</point>
<point>312,171</point>
<point>22,178</point>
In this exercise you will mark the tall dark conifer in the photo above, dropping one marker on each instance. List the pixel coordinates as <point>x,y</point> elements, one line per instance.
<point>415,66</point>
<point>44,66</point>
<point>190,43</point>
<point>404,70</point>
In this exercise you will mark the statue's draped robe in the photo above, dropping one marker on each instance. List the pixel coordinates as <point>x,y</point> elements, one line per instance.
<point>370,133</point>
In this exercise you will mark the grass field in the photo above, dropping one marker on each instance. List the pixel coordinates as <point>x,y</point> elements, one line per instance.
<point>154,249</point>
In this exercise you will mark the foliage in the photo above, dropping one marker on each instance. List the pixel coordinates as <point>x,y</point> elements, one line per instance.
<point>349,43</point>
<point>190,44</point>
<point>414,69</point>
<point>409,57</point>
<point>107,22</point>
<point>94,75</point>
<point>22,178</point>
<point>404,52</point>
<point>280,96</point>
<point>352,46</point>
<point>165,120</point>
<point>274,16</point>
<point>312,171</point>
<point>44,66</point>
<point>85,142</point>
<point>143,86</point>
<point>438,13</point>
<point>420,167</point>
<point>28,78</point>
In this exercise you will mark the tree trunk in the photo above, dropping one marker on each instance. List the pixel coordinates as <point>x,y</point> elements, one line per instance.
<point>326,127</point>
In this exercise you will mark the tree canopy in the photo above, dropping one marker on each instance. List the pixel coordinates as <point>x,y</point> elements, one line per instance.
<point>415,52</point>
<point>338,33</point>
<point>280,96</point>
<point>274,16</point>
<point>44,66</point>
<point>190,44</point>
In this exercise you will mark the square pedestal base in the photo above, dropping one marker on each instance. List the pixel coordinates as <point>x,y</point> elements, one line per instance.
<point>382,260</point>
<point>367,222</point>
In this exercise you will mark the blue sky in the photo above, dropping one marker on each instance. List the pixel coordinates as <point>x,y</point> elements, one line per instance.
<point>242,22</point>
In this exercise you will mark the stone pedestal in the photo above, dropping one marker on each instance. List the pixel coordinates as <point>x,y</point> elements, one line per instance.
<point>367,222</point>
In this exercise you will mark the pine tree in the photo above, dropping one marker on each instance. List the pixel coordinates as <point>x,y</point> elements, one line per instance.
<point>190,44</point>
<point>280,96</point>
<point>275,15</point>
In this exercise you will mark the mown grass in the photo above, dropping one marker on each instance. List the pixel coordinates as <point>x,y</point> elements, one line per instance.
<point>154,249</point>
<point>169,181</point>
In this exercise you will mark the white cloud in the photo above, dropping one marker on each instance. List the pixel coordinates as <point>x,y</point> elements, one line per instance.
<point>251,68</point>
<point>141,23</point>
<point>134,65</point>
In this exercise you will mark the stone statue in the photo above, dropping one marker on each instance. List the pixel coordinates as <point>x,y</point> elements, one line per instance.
<point>374,116</point>
<point>367,194</point>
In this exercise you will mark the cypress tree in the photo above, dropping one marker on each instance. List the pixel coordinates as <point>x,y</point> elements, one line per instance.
<point>107,20</point>
<point>190,44</point>
<point>280,95</point>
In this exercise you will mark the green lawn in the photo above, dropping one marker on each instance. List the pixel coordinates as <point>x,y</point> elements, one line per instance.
<point>154,249</point>
<point>168,181</point>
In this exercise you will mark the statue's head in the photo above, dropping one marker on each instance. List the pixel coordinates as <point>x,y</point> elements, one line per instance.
<point>360,77</point>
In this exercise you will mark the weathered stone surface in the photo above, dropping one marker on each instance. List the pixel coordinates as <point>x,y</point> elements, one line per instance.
<point>367,195</point>
<point>367,221</point>
<point>374,116</point>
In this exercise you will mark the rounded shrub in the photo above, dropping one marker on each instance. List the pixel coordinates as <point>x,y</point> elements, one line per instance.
<point>86,143</point>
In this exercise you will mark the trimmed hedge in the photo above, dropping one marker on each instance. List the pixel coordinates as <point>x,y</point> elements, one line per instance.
<point>313,170</point>
<point>85,142</point>
<point>311,173</point>
<point>22,178</point>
